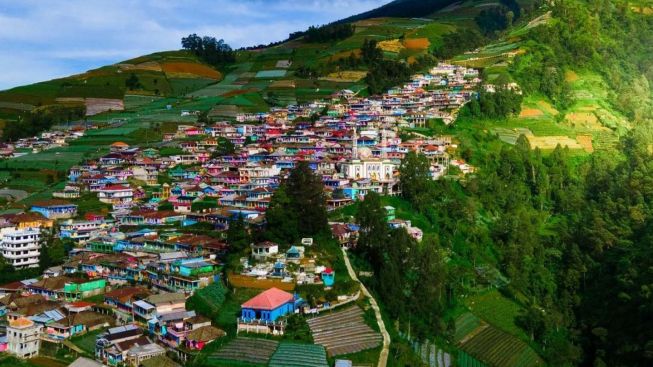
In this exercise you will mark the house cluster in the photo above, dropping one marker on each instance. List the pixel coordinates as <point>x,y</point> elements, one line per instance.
<point>46,140</point>
<point>138,322</point>
<point>213,173</point>
<point>290,266</point>
<point>134,255</point>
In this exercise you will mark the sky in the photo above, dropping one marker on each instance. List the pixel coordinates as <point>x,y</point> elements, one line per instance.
<point>41,40</point>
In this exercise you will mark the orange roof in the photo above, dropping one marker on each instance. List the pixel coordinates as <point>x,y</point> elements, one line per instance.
<point>269,300</point>
<point>21,323</point>
<point>119,144</point>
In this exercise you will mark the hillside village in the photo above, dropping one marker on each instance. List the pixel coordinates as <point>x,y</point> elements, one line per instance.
<point>132,266</point>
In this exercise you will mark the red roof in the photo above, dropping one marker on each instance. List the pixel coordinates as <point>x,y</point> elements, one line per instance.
<point>269,300</point>
<point>116,188</point>
<point>82,304</point>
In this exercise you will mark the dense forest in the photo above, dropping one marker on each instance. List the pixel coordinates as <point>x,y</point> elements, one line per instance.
<point>325,33</point>
<point>572,236</point>
<point>575,243</point>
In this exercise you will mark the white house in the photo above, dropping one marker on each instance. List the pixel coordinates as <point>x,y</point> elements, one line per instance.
<point>23,338</point>
<point>20,247</point>
<point>116,194</point>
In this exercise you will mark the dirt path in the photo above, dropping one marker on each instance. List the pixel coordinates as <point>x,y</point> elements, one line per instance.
<point>383,357</point>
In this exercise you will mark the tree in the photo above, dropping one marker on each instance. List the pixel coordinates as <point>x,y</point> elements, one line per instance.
<point>237,236</point>
<point>374,231</point>
<point>211,50</point>
<point>203,117</point>
<point>280,217</point>
<point>225,147</point>
<point>298,207</point>
<point>415,180</point>
<point>132,82</point>
<point>309,201</point>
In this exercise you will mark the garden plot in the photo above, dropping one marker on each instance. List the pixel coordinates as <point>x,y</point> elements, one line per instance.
<point>299,355</point>
<point>246,350</point>
<point>344,332</point>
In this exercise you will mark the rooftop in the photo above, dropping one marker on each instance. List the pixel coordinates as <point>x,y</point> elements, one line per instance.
<point>269,299</point>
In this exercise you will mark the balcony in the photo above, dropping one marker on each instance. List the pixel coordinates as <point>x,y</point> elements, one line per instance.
<point>33,246</point>
<point>12,241</point>
<point>22,256</point>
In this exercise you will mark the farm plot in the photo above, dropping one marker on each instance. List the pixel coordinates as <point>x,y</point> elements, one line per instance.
<point>510,136</point>
<point>497,348</point>
<point>551,142</point>
<point>345,76</point>
<point>134,101</point>
<point>417,43</point>
<point>394,46</point>
<point>95,106</point>
<point>271,74</point>
<point>498,310</point>
<point>189,70</point>
<point>465,325</point>
<point>246,351</point>
<point>299,355</point>
<point>344,332</point>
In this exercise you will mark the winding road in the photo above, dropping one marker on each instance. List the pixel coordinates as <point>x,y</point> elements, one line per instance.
<point>383,357</point>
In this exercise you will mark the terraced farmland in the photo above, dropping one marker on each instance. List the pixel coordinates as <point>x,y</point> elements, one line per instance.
<point>497,348</point>
<point>246,351</point>
<point>344,332</point>
<point>299,355</point>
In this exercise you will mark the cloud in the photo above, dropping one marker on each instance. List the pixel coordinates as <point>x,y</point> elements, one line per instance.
<point>43,40</point>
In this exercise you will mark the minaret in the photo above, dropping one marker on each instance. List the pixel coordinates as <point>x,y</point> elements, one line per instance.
<point>354,145</point>
<point>384,144</point>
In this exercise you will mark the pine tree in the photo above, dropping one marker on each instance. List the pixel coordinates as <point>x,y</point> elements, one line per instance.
<point>237,236</point>
<point>308,200</point>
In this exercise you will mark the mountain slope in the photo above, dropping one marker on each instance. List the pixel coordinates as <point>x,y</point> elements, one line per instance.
<point>403,9</point>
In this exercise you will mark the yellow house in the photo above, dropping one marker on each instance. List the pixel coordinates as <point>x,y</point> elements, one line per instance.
<point>30,220</point>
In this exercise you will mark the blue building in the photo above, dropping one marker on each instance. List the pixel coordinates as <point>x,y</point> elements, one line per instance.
<point>55,209</point>
<point>328,277</point>
<point>269,305</point>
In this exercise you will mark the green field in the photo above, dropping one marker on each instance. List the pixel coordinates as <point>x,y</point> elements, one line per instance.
<point>60,159</point>
<point>497,310</point>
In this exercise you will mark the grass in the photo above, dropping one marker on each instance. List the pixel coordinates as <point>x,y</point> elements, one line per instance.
<point>89,203</point>
<point>59,159</point>
<point>86,342</point>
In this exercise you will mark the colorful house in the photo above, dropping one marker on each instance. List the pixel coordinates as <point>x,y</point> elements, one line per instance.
<point>84,289</point>
<point>328,277</point>
<point>269,306</point>
<point>55,209</point>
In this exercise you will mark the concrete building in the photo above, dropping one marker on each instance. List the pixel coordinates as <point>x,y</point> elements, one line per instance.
<point>20,247</point>
<point>23,338</point>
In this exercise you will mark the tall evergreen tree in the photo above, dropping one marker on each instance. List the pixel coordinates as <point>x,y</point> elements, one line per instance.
<point>308,200</point>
